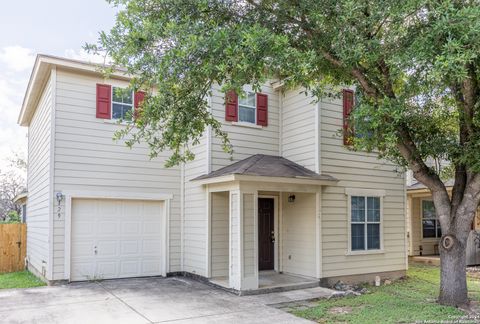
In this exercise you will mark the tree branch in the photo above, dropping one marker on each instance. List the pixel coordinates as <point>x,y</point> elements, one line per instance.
<point>458,189</point>
<point>357,73</point>
<point>425,175</point>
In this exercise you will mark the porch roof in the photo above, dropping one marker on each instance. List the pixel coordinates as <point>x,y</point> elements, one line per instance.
<point>260,167</point>
<point>419,187</point>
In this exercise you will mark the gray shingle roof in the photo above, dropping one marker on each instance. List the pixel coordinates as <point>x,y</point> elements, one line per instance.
<point>419,185</point>
<point>267,166</point>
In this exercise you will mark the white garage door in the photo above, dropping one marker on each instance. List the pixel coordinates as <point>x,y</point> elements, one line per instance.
<point>116,239</point>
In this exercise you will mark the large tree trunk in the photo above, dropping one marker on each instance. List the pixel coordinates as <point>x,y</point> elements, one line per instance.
<point>453,278</point>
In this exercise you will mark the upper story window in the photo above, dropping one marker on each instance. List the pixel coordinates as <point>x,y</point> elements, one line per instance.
<point>430,225</point>
<point>247,108</point>
<point>353,127</point>
<point>122,103</point>
<point>348,125</point>
<point>365,222</point>
<point>117,103</point>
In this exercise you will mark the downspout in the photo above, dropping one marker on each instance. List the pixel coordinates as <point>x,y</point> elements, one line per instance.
<point>280,123</point>
<point>182,215</point>
<point>318,137</point>
<point>407,225</point>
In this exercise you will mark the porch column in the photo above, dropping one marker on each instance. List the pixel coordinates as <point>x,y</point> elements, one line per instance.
<point>250,240</point>
<point>318,233</point>
<point>243,267</point>
<point>234,237</point>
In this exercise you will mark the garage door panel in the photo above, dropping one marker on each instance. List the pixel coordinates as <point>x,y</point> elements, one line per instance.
<point>130,248</point>
<point>130,268</point>
<point>83,249</point>
<point>127,234</point>
<point>86,210</point>
<point>151,246</point>
<point>151,267</point>
<point>83,270</point>
<point>85,228</point>
<point>131,228</point>
<point>150,208</point>
<point>107,269</point>
<point>134,208</point>
<point>108,248</point>
<point>150,227</point>
<point>109,207</point>
<point>107,227</point>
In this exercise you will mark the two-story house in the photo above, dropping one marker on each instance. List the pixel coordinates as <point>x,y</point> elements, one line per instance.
<point>295,205</point>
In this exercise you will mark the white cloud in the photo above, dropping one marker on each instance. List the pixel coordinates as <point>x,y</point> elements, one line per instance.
<point>83,55</point>
<point>16,63</point>
<point>12,136</point>
<point>17,58</point>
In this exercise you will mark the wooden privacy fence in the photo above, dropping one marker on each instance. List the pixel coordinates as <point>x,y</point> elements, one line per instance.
<point>13,247</point>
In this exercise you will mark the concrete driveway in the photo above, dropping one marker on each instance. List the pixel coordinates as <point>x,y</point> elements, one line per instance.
<point>146,300</point>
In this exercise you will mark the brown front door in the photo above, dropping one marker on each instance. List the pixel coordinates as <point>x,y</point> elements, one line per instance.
<point>266,232</point>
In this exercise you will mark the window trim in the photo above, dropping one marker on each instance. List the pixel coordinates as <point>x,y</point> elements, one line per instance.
<point>247,124</point>
<point>247,92</point>
<point>116,120</point>
<point>349,192</point>
<point>437,222</point>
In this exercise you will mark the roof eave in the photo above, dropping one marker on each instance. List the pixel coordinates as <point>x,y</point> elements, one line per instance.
<point>21,196</point>
<point>257,178</point>
<point>423,190</point>
<point>39,76</point>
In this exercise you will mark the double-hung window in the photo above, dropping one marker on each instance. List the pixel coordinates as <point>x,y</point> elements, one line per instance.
<point>430,225</point>
<point>122,103</point>
<point>365,223</point>
<point>247,108</point>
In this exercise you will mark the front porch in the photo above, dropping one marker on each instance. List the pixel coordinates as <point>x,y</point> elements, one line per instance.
<point>264,231</point>
<point>424,232</point>
<point>264,240</point>
<point>426,259</point>
<point>272,281</point>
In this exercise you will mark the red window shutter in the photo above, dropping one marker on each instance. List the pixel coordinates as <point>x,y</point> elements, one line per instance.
<point>138,99</point>
<point>231,106</point>
<point>262,109</point>
<point>104,101</point>
<point>348,131</point>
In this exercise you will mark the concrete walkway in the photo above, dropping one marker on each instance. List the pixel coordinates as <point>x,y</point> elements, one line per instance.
<point>146,300</point>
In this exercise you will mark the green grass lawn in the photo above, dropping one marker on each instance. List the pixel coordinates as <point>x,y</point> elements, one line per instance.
<point>21,279</point>
<point>404,301</point>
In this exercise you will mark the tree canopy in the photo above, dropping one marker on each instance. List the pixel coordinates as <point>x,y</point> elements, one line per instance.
<point>408,59</point>
<point>414,63</point>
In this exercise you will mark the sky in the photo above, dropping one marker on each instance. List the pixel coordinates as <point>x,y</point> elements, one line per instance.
<point>31,27</point>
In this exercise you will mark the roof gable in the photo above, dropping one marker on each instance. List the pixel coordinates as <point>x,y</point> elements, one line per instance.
<point>267,166</point>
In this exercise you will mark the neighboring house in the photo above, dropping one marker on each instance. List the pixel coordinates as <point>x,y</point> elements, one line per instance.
<point>21,200</point>
<point>293,201</point>
<point>424,230</point>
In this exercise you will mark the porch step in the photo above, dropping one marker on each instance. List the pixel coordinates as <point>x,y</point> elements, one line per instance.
<point>426,259</point>
<point>280,288</point>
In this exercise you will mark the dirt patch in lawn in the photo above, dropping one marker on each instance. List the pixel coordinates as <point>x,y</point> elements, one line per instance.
<point>340,310</point>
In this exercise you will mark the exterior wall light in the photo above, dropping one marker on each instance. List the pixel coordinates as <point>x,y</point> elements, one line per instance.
<point>59,197</point>
<point>291,198</point>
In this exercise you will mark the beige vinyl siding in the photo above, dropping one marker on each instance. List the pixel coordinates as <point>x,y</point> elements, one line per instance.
<point>298,232</point>
<point>298,128</point>
<point>39,189</point>
<point>248,236</point>
<point>246,141</point>
<point>219,232</point>
<point>358,170</point>
<point>195,211</point>
<point>87,159</point>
